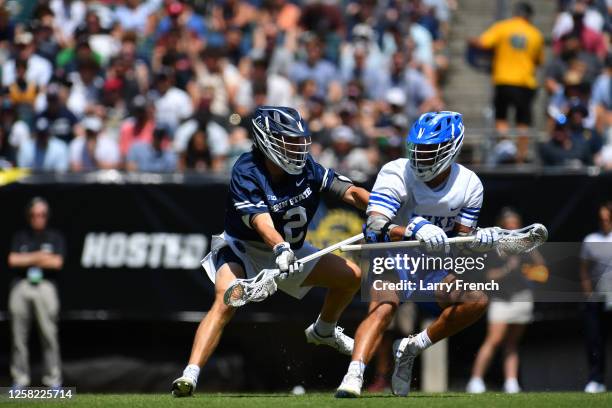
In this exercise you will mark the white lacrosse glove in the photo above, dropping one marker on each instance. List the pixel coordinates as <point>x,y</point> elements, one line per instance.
<point>286,261</point>
<point>486,239</point>
<point>432,236</point>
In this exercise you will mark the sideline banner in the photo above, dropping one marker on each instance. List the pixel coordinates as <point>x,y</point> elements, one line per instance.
<point>134,241</point>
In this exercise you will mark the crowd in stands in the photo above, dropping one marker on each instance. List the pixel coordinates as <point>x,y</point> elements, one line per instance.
<point>577,82</point>
<point>170,85</point>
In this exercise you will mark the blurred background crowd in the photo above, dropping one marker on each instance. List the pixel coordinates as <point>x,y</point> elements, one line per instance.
<point>169,85</point>
<point>577,81</point>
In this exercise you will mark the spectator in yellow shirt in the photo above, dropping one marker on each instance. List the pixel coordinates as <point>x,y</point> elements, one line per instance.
<point>518,49</point>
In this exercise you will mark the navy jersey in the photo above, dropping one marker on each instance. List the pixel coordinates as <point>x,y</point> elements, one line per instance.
<point>292,203</point>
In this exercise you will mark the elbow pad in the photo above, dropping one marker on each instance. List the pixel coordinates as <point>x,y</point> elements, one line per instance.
<point>339,185</point>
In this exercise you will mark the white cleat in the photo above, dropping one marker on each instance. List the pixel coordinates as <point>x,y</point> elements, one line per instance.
<point>405,351</point>
<point>183,387</point>
<point>351,384</point>
<point>593,387</point>
<point>338,340</point>
<point>511,386</point>
<point>476,386</point>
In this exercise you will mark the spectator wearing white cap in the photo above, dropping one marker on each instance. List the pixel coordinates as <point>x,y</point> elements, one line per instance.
<point>93,150</point>
<point>396,97</point>
<point>354,162</point>
<point>395,105</point>
<point>392,124</point>
<point>38,71</point>
<point>362,59</point>
<point>44,152</point>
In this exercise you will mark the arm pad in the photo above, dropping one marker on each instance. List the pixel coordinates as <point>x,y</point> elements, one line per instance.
<point>377,228</point>
<point>339,185</point>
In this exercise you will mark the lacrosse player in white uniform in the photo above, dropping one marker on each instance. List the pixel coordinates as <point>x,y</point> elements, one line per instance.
<point>426,197</point>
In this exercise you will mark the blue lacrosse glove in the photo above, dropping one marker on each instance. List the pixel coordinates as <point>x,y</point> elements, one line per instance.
<point>377,231</point>
<point>373,236</point>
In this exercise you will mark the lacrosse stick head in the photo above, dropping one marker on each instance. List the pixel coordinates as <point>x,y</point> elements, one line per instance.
<point>243,291</point>
<point>235,294</point>
<point>521,240</point>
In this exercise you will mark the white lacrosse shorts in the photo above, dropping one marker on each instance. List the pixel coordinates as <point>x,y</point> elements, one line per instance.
<point>256,256</point>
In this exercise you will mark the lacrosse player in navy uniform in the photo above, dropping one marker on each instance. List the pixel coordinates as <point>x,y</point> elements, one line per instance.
<point>274,193</point>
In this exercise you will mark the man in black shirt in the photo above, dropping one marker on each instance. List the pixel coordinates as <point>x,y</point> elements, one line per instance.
<point>37,254</point>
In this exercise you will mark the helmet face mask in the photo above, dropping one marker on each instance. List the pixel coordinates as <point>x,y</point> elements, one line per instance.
<point>281,135</point>
<point>292,151</point>
<point>434,143</point>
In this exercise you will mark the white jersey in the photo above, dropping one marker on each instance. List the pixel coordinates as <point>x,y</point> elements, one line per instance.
<point>596,248</point>
<point>399,195</point>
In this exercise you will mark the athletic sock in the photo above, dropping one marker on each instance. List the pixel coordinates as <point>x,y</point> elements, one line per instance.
<point>511,381</point>
<point>192,371</point>
<point>324,329</point>
<point>422,340</point>
<point>357,365</point>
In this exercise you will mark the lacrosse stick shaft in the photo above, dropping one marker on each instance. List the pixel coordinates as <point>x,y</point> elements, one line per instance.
<point>312,256</point>
<point>401,244</point>
<point>328,250</point>
<point>245,285</point>
<point>331,248</point>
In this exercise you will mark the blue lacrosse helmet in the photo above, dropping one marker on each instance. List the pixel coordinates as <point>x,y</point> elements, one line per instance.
<point>282,136</point>
<point>434,142</point>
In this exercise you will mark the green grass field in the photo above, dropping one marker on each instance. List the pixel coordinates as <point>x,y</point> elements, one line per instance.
<point>417,400</point>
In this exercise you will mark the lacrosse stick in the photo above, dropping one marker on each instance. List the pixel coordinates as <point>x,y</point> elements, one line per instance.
<point>243,291</point>
<point>510,241</point>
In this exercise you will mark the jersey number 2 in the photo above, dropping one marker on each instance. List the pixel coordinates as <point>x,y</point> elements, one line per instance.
<point>290,215</point>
